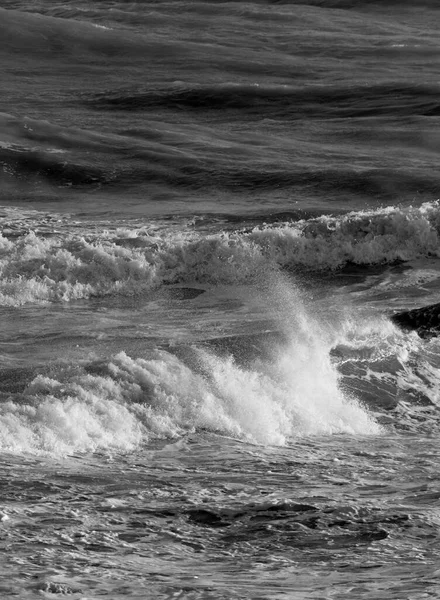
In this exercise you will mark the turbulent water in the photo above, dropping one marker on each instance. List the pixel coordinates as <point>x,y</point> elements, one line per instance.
<point>208,213</point>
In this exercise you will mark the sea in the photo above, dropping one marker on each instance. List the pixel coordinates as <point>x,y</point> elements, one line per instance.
<point>209,212</point>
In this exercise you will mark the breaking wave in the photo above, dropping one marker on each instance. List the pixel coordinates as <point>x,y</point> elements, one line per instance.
<point>126,402</point>
<point>63,265</point>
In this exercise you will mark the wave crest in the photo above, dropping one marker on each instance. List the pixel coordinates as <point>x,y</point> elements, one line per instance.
<point>66,266</point>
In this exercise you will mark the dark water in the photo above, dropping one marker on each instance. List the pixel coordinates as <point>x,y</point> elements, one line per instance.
<point>209,212</point>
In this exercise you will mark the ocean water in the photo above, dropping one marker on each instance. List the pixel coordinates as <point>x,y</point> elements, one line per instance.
<point>209,211</point>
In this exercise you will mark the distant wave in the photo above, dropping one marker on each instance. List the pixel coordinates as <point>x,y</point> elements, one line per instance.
<point>65,266</point>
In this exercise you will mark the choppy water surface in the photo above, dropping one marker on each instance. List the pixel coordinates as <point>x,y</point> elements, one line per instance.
<point>209,211</point>
<point>208,517</point>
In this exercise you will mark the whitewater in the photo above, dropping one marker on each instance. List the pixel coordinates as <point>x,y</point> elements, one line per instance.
<point>210,213</point>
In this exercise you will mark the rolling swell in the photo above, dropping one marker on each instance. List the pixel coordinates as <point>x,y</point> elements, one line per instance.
<point>148,167</point>
<point>189,158</point>
<point>27,166</point>
<point>253,137</point>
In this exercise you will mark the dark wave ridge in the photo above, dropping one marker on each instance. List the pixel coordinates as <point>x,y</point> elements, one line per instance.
<point>26,165</point>
<point>263,101</point>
